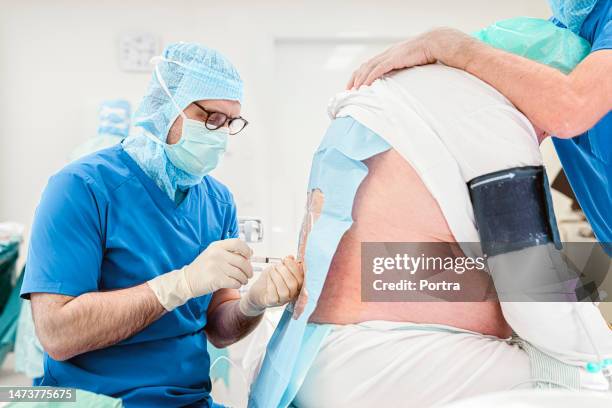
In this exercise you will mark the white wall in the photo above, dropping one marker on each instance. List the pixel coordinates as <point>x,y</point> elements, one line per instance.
<point>58,60</point>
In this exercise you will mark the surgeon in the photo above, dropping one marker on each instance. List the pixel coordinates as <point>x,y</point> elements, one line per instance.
<point>575,107</point>
<point>134,261</point>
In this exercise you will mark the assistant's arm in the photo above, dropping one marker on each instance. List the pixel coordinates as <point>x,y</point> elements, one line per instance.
<point>68,326</point>
<point>559,104</point>
<point>562,105</point>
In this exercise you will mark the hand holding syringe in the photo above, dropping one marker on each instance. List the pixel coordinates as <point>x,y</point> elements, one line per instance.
<point>279,283</point>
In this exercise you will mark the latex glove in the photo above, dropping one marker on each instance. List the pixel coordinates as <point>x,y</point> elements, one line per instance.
<point>277,285</point>
<point>223,264</point>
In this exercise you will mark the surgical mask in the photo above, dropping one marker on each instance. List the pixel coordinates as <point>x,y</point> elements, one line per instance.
<point>572,13</point>
<point>200,149</point>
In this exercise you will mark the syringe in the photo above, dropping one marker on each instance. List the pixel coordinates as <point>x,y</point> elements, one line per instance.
<point>265,260</point>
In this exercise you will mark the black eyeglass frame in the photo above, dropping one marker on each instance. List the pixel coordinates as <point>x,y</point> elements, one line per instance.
<point>228,121</point>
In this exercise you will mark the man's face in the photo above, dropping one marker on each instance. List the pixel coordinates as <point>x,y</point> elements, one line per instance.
<point>230,108</point>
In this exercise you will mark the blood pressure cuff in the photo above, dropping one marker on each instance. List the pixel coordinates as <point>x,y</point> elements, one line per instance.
<point>513,210</point>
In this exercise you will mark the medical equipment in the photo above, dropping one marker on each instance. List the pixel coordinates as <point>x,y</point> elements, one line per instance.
<point>10,302</point>
<point>11,235</point>
<point>513,211</point>
<point>265,260</point>
<point>603,365</point>
<point>251,229</point>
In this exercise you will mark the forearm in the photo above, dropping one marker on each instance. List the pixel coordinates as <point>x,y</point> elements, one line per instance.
<point>93,320</point>
<point>227,324</point>
<point>232,317</point>
<point>559,104</point>
<point>542,93</point>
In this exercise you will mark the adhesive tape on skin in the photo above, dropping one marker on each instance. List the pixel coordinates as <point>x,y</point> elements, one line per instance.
<point>342,150</point>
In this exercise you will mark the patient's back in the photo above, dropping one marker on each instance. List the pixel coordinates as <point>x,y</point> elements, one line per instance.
<point>392,204</point>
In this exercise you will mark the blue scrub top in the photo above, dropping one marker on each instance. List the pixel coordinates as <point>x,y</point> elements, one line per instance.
<point>103,224</point>
<point>587,159</point>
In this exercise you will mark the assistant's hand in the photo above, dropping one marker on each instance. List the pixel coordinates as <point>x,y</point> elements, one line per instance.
<point>277,285</point>
<point>424,49</point>
<point>224,264</point>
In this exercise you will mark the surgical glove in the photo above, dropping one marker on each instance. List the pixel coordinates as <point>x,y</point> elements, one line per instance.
<point>277,285</point>
<point>224,264</point>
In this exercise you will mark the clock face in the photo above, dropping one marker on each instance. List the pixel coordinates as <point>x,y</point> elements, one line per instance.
<point>136,50</point>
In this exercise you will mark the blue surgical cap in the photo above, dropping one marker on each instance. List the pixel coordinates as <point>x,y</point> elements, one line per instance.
<point>572,13</point>
<point>191,72</point>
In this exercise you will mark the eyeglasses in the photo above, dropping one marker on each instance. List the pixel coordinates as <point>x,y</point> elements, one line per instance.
<point>215,120</point>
